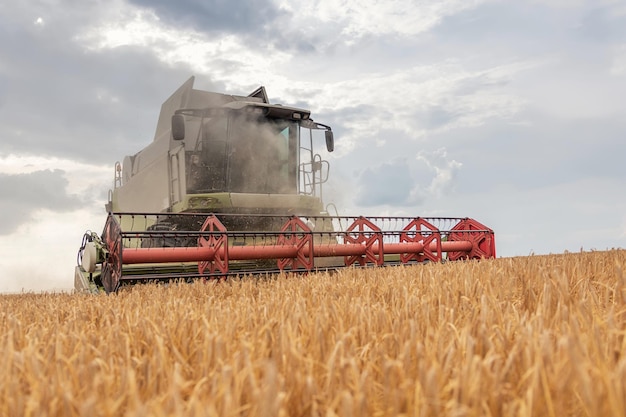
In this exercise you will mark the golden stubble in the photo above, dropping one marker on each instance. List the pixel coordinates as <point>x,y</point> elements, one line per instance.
<point>527,336</point>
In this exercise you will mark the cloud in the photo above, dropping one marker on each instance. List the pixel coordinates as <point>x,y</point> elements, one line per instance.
<point>404,183</point>
<point>363,19</point>
<point>387,183</point>
<point>217,16</point>
<point>618,67</point>
<point>97,119</point>
<point>227,57</point>
<point>23,194</point>
<point>60,100</point>
<point>445,170</point>
<point>603,23</point>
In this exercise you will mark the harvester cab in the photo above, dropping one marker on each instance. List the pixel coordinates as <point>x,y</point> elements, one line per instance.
<point>233,185</point>
<point>226,154</point>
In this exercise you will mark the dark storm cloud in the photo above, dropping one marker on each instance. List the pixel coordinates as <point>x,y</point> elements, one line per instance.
<point>259,23</point>
<point>58,99</point>
<point>23,194</point>
<point>244,16</point>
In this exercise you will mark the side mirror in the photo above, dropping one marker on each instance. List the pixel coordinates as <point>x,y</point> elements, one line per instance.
<point>330,141</point>
<point>178,127</point>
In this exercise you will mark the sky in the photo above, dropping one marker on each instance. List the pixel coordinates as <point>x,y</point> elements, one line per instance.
<point>509,112</point>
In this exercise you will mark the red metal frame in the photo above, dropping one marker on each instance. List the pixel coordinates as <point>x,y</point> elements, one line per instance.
<point>419,230</point>
<point>216,241</point>
<point>482,238</point>
<point>300,238</point>
<point>370,237</point>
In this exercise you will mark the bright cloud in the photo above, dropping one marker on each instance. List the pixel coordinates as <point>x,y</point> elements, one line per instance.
<point>171,45</point>
<point>360,18</point>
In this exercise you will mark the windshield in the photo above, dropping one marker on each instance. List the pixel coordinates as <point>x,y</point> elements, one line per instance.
<point>262,155</point>
<point>245,153</point>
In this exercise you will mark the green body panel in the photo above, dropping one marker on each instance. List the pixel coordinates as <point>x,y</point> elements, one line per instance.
<point>84,281</point>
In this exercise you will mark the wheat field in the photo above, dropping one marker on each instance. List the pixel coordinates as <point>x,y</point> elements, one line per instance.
<point>528,336</point>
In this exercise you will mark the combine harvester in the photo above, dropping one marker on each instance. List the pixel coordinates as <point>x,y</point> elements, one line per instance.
<point>232,185</point>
